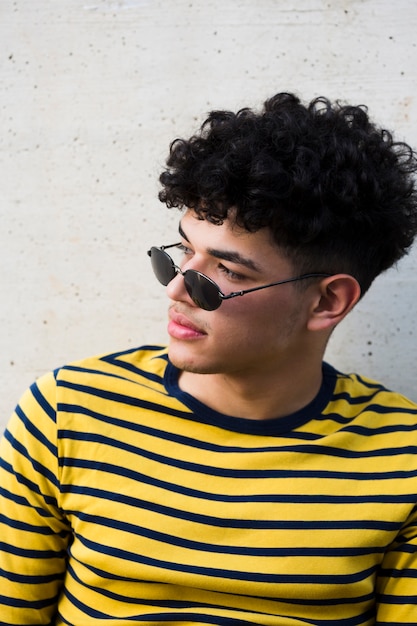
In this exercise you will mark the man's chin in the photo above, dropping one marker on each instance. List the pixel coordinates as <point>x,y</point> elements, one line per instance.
<point>186,362</point>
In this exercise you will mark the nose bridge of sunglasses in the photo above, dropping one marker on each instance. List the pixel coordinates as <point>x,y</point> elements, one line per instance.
<point>204,292</point>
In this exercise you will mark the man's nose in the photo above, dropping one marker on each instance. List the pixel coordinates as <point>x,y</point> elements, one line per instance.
<point>177,291</point>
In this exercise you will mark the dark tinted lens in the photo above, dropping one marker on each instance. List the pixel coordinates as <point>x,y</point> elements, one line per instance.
<point>202,291</point>
<point>162,266</point>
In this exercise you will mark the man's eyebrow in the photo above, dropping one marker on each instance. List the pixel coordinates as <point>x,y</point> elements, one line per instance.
<point>182,233</point>
<point>234,257</point>
<point>226,255</point>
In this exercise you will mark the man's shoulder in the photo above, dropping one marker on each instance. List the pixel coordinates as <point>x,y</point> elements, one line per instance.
<point>366,394</point>
<point>117,377</point>
<point>128,364</point>
<point>115,369</point>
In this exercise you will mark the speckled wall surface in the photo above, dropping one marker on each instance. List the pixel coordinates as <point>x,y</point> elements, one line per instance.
<point>92,93</point>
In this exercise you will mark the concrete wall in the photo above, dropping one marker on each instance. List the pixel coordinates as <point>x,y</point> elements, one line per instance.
<point>93,91</point>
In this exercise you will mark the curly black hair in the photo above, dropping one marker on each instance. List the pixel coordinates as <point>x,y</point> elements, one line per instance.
<point>337,192</point>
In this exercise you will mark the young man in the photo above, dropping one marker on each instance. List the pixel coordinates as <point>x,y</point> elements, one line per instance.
<point>234,477</point>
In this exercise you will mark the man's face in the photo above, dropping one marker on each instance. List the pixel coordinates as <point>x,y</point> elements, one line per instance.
<point>263,329</point>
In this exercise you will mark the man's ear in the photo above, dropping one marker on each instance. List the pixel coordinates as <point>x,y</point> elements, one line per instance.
<point>335,298</point>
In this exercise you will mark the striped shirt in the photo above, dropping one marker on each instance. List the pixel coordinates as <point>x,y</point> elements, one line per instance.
<point>124,500</point>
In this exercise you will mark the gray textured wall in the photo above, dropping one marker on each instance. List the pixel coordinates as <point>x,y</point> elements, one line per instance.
<point>92,92</point>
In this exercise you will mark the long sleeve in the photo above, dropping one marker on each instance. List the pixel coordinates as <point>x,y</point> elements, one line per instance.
<point>397,578</point>
<point>33,533</point>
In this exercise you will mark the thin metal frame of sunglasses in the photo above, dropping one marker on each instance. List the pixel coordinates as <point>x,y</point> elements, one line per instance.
<point>199,281</point>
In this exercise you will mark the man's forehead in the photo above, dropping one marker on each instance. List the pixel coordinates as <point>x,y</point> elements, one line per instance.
<point>231,224</point>
<point>232,251</point>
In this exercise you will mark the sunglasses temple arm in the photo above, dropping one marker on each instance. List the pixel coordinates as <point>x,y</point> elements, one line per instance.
<point>171,245</point>
<point>234,294</point>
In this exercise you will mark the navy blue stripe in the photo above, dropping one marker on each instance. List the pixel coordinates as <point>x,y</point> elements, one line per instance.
<point>113,359</point>
<point>226,472</point>
<point>402,573</point>
<point>96,372</point>
<point>353,401</point>
<point>230,522</point>
<point>378,409</point>
<point>101,574</point>
<point>32,553</point>
<point>407,548</point>
<point>27,604</point>
<point>29,579</point>
<point>43,403</point>
<point>194,443</point>
<point>35,432</point>
<point>301,435</point>
<point>8,495</point>
<point>122,399</point>
<point>198,618</point>
<point>339,601</point>
<point>380,430</point>
<point>265,498</point>
<point>332,417</point>
<point>114,356</point>
<point>373,387</point>
<point>370,384</point>
<point>225,549</point>
<point>389,599</point>
<point>158,618</point>
<point>86,610</point>
<point>38,467</point>
<point>31,486</point>
<point>214,572</point>
<point>171,604</point>
<point>154,432</point>
<point>349,454</point>
<point>39,530</point>
<point>167,436</point>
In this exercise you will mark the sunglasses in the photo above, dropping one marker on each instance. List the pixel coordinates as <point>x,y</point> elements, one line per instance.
<point>203,291</point>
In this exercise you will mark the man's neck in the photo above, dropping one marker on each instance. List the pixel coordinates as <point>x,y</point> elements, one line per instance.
<point>254,397</point>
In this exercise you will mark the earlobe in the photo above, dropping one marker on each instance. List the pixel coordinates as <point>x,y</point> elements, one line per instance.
<point>336,296</point>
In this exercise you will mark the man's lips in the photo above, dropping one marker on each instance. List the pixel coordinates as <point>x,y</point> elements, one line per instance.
<point>181,327</point>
